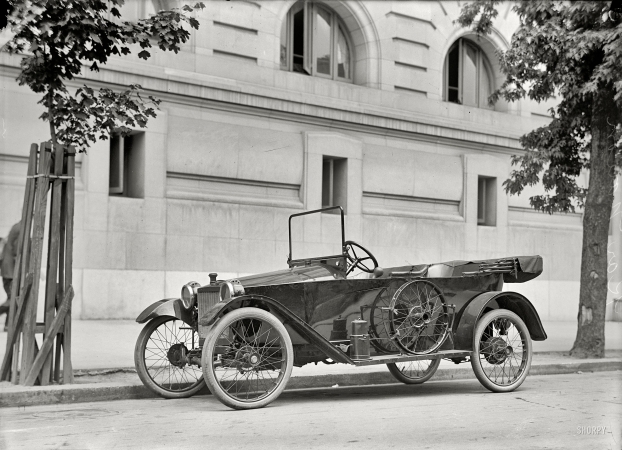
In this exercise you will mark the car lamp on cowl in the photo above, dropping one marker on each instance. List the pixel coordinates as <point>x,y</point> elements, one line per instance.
<point>230,289</point>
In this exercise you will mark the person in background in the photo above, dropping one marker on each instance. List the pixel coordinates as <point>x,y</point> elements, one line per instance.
<point>7,266</point>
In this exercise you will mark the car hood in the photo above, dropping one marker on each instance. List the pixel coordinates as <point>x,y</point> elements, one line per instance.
<point>285,276</point>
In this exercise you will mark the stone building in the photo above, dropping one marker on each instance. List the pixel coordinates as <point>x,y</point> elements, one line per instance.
<point>276,107</point>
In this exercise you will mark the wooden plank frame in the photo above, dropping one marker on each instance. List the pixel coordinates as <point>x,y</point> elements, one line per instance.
<point>44,352</point>
<point>43,365</point>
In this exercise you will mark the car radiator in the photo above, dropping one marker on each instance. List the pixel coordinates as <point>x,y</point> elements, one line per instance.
<point>207,297</point>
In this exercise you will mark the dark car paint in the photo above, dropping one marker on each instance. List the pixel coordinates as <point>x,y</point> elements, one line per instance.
<point>299,331</point>
<point>311,307</point>
<point>172,307</point>
<point>513,301</point>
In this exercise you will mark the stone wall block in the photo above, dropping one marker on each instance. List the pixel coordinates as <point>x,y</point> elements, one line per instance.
<point>145,251</point>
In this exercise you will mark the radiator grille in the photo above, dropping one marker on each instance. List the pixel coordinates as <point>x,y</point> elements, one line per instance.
<point>206,298</point>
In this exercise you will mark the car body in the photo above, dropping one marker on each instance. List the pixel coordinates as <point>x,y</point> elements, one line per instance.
<point>243,336</point>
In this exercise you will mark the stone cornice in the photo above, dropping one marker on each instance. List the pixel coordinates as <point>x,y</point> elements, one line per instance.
<point>193,89</point>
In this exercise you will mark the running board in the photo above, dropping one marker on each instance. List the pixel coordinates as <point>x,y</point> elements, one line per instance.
<point>386,359</point>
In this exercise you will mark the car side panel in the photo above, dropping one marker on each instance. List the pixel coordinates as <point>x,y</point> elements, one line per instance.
<point>289,318</point>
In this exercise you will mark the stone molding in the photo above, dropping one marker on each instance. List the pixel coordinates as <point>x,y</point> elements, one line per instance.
<point>190,88</point>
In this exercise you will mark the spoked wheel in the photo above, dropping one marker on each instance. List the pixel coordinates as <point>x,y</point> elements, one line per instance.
<point>418,317</point>
<point>247,358</point>
<point>162,357</point>
<point>414,372</point>
<point>501,351</point>
<point>379,327</point>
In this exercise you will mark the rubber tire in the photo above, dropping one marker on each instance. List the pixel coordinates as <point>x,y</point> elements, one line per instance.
<point>207,357</point>
<point>400,376</point>
<point>482,323</point>
<point>399,343</point>
<point>141,368</point>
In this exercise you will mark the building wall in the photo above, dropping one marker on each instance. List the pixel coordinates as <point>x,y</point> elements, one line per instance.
<point>238,147</point>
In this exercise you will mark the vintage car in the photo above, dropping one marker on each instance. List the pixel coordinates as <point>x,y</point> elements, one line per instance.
<point>243,336</point>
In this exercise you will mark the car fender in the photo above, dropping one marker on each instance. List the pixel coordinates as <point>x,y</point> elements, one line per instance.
<point>285,314</point>
<point>512,301</point>
<point>172,307</point>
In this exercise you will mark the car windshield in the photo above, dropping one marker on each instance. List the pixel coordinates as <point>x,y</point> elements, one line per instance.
<point>316,235</point>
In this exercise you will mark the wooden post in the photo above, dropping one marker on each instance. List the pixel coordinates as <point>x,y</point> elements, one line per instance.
<point>52,256</point>
<point>40,207</point>
<point>67,263</point>
<point>26,243</point>
<point>20,266</point>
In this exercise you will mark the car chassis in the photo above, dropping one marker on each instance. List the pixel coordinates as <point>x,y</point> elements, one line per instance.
<point>242,337</point>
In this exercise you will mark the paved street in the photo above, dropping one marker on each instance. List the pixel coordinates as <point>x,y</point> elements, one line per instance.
<point>582,411</point>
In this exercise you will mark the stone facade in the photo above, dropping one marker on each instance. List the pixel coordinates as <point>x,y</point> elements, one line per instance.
<point>240,144</point>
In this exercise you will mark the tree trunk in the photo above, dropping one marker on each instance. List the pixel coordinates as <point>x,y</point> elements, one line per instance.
<point>50,105</point>
<point>590,340</point>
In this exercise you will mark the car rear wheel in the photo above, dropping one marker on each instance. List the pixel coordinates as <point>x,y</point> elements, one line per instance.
<point>414,372</point>
<point>161,357</point>
<point>247,358</point>
<point>502,351</point>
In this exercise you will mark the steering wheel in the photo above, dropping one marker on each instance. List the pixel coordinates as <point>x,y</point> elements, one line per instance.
<point>354,260</point>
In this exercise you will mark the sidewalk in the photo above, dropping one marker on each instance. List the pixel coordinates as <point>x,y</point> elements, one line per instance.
<point>103,361</point>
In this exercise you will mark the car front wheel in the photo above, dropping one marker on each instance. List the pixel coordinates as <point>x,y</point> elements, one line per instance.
<point>162,357</point>
<point>502,351</point>
<point>247,358</point>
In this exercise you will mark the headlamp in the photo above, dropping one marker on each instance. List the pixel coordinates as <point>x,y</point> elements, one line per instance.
<point>189,294</point>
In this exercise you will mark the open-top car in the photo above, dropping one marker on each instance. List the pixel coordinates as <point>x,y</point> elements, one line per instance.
<point>242,337</point>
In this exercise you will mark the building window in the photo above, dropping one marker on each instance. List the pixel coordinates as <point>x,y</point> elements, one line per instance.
<point>314,41</point>
<point>127,158</point>
<point>487,201</point>
<point>467,75</point>
<point>334,182</point>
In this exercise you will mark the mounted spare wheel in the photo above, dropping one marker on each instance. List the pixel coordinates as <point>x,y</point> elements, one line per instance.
<point>418,317</point>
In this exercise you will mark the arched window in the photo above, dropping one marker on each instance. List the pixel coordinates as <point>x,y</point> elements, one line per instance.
<point>467,75</point>
<point>314,41</point>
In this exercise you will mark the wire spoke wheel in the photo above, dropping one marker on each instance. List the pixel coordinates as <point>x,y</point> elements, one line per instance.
<point>418,317</point>
<point>379,326</point>
<point>502,351</point>
<point>414,372</point>
<point>163,355</point>
<point>247,358</point>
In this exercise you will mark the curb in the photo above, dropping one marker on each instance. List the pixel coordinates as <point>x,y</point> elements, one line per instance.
<point>465,373</point>
<point>94,392</point>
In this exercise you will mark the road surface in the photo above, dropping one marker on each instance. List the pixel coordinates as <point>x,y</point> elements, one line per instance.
<point>582,411</point>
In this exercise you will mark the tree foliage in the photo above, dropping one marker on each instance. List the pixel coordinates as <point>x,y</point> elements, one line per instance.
<point>571,51</point>
<point>57,38</point>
